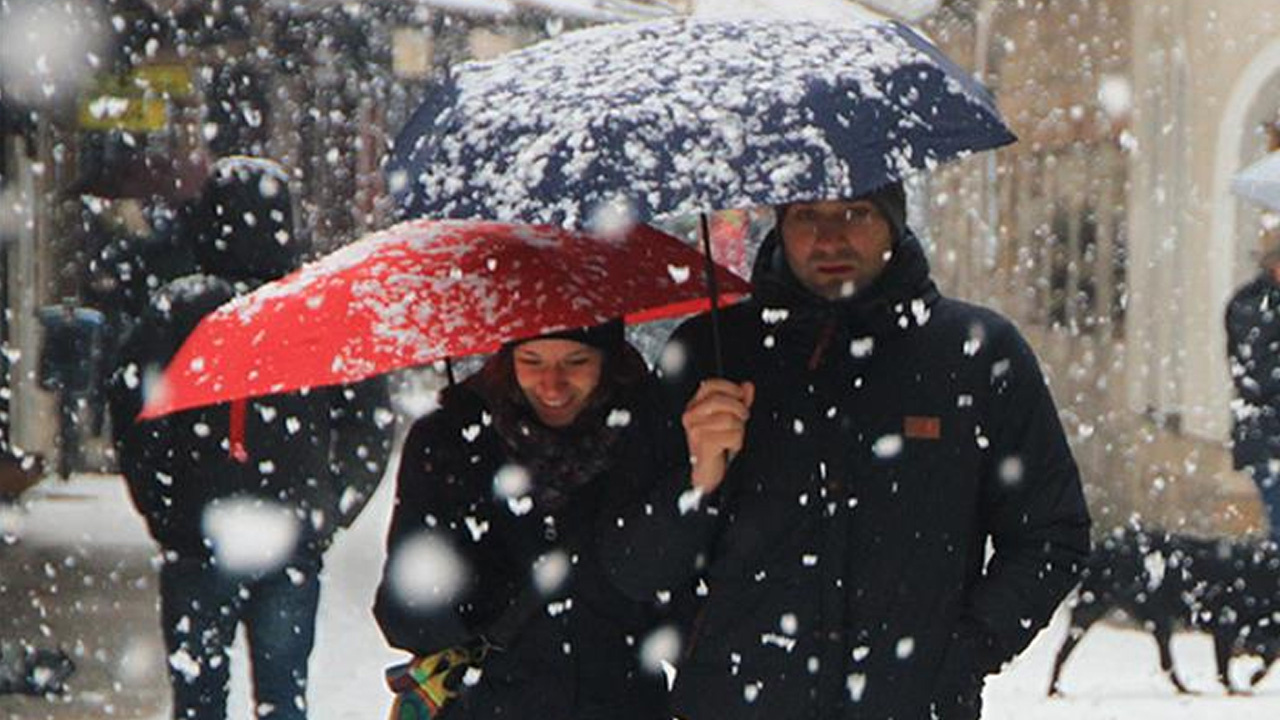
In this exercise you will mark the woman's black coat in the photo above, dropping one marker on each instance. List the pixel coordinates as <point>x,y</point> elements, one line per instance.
<point>577,657</point>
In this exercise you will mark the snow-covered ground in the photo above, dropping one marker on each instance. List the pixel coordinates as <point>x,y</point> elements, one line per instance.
<point>1114,673</point>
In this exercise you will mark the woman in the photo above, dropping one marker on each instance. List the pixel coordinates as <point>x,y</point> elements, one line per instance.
<point>491,545</point>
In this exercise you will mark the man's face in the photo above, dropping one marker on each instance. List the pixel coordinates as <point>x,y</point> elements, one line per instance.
<point>837,247</point>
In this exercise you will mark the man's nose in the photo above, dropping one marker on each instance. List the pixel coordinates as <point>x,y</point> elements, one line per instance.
<point>830,235</point>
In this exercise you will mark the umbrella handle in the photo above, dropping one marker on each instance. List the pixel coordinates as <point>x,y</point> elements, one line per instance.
<point>713,290</point>
<point>448,371</point>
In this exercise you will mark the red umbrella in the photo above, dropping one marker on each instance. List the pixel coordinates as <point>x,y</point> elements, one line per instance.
<point>423,291</point>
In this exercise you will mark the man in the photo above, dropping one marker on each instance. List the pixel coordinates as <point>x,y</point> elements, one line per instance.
<point>242,500</point>
<point>1253,345</point>
<point>869,445</point>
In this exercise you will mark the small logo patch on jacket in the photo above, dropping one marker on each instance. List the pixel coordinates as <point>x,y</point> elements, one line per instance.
<point>922,427</point>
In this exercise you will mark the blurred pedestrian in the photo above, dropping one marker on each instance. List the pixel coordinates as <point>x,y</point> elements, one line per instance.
<point>1253,347</point>
<point>71,368</point>
<point>243,500</point>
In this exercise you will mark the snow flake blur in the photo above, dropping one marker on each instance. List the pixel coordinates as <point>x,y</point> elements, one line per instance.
<point>426,572</point>
<point>250,536</point>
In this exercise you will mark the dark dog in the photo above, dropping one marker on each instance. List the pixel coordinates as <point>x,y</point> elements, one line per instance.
<point>28,671</point>
<point>1228,589</point>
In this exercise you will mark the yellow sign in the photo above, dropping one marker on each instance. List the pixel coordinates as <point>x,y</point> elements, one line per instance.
<point>138,101</point>
<point>172,80</point>
<point>116,112</point>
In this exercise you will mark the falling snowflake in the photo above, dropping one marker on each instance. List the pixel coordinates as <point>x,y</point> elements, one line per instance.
<point>250,536</point>
<point>887,446</point>
<point>425,571</point>
<point>551,571</point>
<point>856,684</point>
<point>661,646</point>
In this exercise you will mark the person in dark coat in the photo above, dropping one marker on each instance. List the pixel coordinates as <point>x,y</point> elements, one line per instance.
<point>1253,346</point>
<point>71,367</point>
<point>243,504</point>
<point>880,441</point>
<point>507,481</point>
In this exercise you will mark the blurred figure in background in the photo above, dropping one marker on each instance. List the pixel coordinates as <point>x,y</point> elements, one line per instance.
<point>1253,346</point>
<point>71,367</point>
<point>243,500</point>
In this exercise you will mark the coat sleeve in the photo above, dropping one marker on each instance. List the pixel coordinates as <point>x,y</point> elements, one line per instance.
<point>149,460</point>
<point>653,534</point>
<point>143,456</point>
<point>442,559</point>
<point>1034,511</point>
<point>1252,339</point>
<point>362,425</point>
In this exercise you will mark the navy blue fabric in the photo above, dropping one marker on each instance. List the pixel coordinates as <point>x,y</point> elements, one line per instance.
<point>865,143</point>
<point>1267,479</point>
<point>202,605</point>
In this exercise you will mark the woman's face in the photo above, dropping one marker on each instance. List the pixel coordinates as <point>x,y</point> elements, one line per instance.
<point>557,377</point>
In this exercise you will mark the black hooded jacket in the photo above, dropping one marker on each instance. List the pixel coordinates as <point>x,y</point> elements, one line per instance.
<point>1253,346</point>
<point>320,453</point>
<point>842,560</point>
<point>577,654</point>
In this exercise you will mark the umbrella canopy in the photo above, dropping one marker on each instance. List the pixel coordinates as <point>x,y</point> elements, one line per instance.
<point>423,291</point>
<point>590,10</point>
<point>687,115</point>
<point>822,10</point>
<point>1260,182</point>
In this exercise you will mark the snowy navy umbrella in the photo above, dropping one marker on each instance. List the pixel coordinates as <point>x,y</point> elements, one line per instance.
<point>687,115</point>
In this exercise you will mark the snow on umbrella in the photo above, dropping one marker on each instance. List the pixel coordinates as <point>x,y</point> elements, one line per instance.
<point>1260,182</point>
<point>687,115</point>
<point>423,291</point>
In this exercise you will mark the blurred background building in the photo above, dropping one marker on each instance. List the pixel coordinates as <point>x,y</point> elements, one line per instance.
<point>1110,231</point>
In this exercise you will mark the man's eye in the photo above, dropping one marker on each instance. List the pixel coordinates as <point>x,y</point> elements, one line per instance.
<point>858,215</point>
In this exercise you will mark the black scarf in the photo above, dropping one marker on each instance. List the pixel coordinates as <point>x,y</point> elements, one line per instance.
<point>559,460</point>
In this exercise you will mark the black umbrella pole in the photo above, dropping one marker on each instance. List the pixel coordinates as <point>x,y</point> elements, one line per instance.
<point>448,371</point>
<point>713,290</point>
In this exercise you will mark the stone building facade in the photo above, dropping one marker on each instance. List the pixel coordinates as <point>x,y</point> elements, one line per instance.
<point>1110,231</point>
